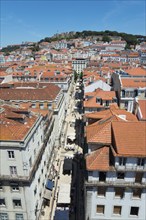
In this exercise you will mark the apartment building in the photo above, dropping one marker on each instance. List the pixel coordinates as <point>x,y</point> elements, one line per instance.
<point>79,65</point>
<point>26,158</point>
<point>116,168</point>
<point>128,85</point>
<point>40,95</point>
<point>99,100</point>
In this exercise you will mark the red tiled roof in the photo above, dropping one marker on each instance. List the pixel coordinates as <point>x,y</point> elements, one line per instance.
<point>11,129</point>
<point>129,138</point>
<point>100,132</point>
<point>142,106</point>
<point>133,82</point>
<point>98,160</point>
<point>137,71</point>
<point>112,111</point>
<point>46,92</point>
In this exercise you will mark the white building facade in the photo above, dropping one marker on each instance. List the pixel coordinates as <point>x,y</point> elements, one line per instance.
<point>23,177</point>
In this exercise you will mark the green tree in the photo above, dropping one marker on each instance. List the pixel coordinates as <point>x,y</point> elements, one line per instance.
<point>81,75</point>
<point>75,76</point>
<point>35,48</point>
<point>106,38</point>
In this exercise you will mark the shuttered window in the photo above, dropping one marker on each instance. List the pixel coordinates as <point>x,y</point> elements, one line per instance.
<point>119,192</point>
<point>101,191</point>
<point>117,210</point>
<point>100,209</point>
<point>137,193</point>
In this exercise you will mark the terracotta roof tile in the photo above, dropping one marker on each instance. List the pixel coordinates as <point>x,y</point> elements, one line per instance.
<point>142,105</point>
<point>100,132</point>
<point>133,82</point>
<point>11,128</point>
<point>130,138</point>
<point>137,71</point>
<point>40,91</point>
<point>98,160</point>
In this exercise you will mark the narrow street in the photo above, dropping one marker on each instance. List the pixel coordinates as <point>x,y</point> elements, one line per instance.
<point>76,192</point>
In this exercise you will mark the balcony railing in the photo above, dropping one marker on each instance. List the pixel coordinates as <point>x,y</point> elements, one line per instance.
<point>128,168</point>
<point>115,184</point>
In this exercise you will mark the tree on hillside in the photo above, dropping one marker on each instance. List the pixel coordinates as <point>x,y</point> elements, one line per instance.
<point>106,39</point>
<point>35,48</point>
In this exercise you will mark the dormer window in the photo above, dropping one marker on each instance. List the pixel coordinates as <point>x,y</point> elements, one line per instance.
<point>98,99</point>
<point>107,102</point>
<point>122,161</point>
<point>140,162</point>
<point>120,175</point>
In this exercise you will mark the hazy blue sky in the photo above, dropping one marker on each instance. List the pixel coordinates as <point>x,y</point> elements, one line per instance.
<point>32,20</point>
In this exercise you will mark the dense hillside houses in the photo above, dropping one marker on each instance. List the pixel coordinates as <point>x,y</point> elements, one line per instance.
<point>73,128</point>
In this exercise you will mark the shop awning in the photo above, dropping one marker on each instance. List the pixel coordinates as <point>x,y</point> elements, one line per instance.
<point>49,184</point>
<point>62,214</point>
<point>47,194</point>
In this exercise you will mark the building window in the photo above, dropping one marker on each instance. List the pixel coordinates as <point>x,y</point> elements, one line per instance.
<point>11,154</point>
<point>107,103</point>
<point>34,152</point>
<point>35,191</point>
<point>33,105</point>
<point>117,210</point>
<point>138,177</point>
<point>1,187</point>
<point>49,106</point>
<point>2,202</point>
<point>3,216</point>
<point>17,203</point>
<point>14,186</point>
<point>41,106</point>
<point>100,209</point>
<point>140,162</point>
<point>120,175</point>
<point>126,104</point>
<point>119,192</point>
<point>19,216</point>
<point>137,193</point>
<point>30,162</point>
<point>13,170</point>
<point>102,176</point>
<point>122,161</point>
<point>101,191</point>
<point>39,180</point>
<point>134,211</point>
